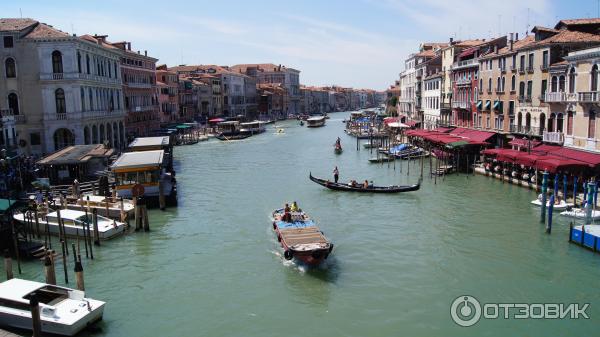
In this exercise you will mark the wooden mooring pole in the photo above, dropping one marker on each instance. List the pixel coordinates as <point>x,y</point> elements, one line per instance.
<point>8,265</point>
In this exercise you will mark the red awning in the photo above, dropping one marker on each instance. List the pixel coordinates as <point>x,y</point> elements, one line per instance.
<point>508,155</point>
<point>478,136</point>
<point>553,164</point>
<point>411,123</point>
<point>592,159</point>
<point>491,152</point>
<point>545,148</point>
<point>389,120</point>
<point>458,131</point>
<point>468,52</point>
<point>443,130</point>
<point>524,142</point>
<point>216,120</point>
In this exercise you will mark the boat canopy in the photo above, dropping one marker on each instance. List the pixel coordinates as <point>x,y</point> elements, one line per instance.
<point>132,160</point>
<point>142,142</point>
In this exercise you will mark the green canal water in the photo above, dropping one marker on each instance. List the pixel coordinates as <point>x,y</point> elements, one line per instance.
<point>212,266</point>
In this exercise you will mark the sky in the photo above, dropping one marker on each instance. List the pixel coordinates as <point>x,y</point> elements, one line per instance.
<point>353,43</point>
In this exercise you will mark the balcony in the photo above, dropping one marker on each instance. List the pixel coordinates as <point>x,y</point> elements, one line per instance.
<point>544,67</point>
<point>526,130</point>
<point>503,69</point>
<point>6,112</point>
<point>78,76</point>
<point>513,68</point>
<point>20,119</point>
<point>499,91</point>
<point>521,70</point>
<point>465,64</point>
<point>560,97</point>
<point>138,85</point>
<point>553,137</point>
<point>589,97</point>
<point>83,115</point>
<point>463,81</point>
<point>530,69</point>
<point>461,105</point>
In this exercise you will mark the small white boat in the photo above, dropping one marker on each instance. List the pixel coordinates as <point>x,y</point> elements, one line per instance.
<point>63,311</point>
<point>561,206</point>
<point>579,213</point>
<point>74,221</point>
<point>315,122</point>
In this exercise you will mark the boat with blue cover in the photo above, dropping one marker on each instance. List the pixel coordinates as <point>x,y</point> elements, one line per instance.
<point>300,237</point>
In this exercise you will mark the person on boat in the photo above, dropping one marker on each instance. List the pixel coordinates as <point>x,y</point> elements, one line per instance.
<point>287,216</point>
<point>294,207</point>
<point>39,198</point>
<point>336,174</point>
<point>352,183</point>
<point>338,143</point>
<point>366,184</point>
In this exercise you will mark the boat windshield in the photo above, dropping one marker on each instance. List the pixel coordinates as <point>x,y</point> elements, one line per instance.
<point>49,295</point>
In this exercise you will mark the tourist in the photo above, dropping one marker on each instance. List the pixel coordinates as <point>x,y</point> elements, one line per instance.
<point>39,198</point>
<point>287,216</point>
<point>294,207</point>
<point>336,174</point>
<point>366,184</point>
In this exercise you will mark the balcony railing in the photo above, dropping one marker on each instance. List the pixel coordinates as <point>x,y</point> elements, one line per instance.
<point>513,68</point>
<point>521,70</point>
<point>79,115</point>
<point>544,67</point>
<point>530,69</point>
<point>499,90</point>
<point>78,76</point>
<point>503,69</point>
<point>463,81</point>
<point>6,112</point>
<point>461,105</point>
<point>526,130</point>
<point>553,137</point>
<point>560,97</point>
<point>20,119</point>
<point>137,85</point>
<point>465,63</point>
<point>589,96</point>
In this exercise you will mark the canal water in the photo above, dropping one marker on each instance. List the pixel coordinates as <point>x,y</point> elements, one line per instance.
<point>212,266</point>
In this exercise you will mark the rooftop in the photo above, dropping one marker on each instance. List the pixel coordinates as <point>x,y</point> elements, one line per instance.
<point>149,141</point>
<point>139,159</point>
<point>15,25</point>
<point>76,154</point>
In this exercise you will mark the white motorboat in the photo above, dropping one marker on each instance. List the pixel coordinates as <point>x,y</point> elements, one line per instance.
<point>560,206</point>
<point>315,122</point>
<point>580,213</point>
<point>63,311</point>
<point>74,221</point>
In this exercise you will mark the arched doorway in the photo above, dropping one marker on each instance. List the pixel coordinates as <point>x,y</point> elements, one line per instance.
<point>86,135</point>
<point>94,134</point>
<point>527,122</point>
<point>559,122</point>
<point>542,122</point>
<point>63,138</point>
<point>551,122</point>
<point>109,134</point>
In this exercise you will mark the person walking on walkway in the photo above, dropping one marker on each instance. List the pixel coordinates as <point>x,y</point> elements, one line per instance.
<point>336,174</point>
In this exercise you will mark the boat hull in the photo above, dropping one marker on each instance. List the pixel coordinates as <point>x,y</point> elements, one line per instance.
<point>75,231</point>
<point>557,207</point>
<point>375,189</point>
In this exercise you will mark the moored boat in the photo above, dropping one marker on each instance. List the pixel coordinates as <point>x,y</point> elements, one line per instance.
<point>360,188</point>
<point>300,237</point>
<point>230,130</point>
<point>382,159</point>
<point>102,204</point>
<point>580,213</point>
<point>315,122</point>
<point>63,311</point>
<point>73,224</point>
<point>558,206</point>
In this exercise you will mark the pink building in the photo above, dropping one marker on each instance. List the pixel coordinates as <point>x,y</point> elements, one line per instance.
<point>167,91</point>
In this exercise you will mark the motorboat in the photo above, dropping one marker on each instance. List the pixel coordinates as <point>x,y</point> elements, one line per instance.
<point>91,201</point>
<point>558,206</point>
<point>63,311</point>
<point>73,223</point>
<point>315,122</point>
<point>580,213</point>
<point>300,237</point>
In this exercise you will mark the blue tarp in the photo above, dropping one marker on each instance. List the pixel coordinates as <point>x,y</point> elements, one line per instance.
<point>398,148</point>
<point>297,224</point>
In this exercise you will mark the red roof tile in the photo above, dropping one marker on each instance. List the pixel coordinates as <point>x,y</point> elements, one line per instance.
<point>44,31</point>
<point>15,24</point>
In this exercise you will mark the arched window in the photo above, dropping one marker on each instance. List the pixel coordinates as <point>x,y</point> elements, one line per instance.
<point>527,121</point>
<point>82,99</point>
<point>481,84</point>
<point>502,83</point>
<point>559,122</point>
<point>102,135</point>
<point>522,89</point>
<point>94,134</point>
<point>542,122</point>
<point>570,123</point>
<point>594,75</point>
<point>592,124</point>
<point>572,80</point>
<point>86,135</point>
<point>91,97</point>
<point>561,83</point>
<point>79,62</point>
<point>551,120</point>
<point>554,84</point>
<point>490,84</point>
<point>513,83</point>
<point>87,63</point>
<point>519,121</point>
<point>111,105</point>
<point>13,103</point>
<point>57,66</point>
<point>498,87</point>
<point>59,97</point>
<point>10,68</point>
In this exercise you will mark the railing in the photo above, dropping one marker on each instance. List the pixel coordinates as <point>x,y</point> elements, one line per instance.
<point>463,81</point>
<point>6,112</point>
<point>137,85</point>
<point>503,69</point>
<point>589,96</point>
<point>499,90</point>
<point>78,76</point>
<point>461,105</point>
<point>465,63</point>
<point>513,68</point>
<point>446,106</point>
<point>544,67</point>
<point>530,69</point>
<point>20,119</point>
<point>526,130</point>
<point>78,115</point>
<point>521,70</point>
<point>558,97</point>
<point>553,137</point>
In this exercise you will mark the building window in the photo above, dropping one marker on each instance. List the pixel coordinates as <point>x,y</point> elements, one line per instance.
<point>8,42</point>
<point>529,89</point>
<point>502,84</point>
<point>87,63</point>
<point>79,62</point>
<point>59,97</point>
<point>544,87</point>
<point>82,99</point>
<point>561,83</point>
<point>521,89</point>
<point>511,107</point>
<point>530,63</point>
<point>545,59</point>
<point>513,83</point>
<point>35,138</point>
<point>592,124</point>
<point>10,68</point>
<point>554,84</point>
<point>489,84</point>
<point>559,123</point>
<point>570,123</point>
<point>572,81</point>
<point>57,66</point>
<point>91,97</point>
<point>594,80</point>
<point>13,103</point>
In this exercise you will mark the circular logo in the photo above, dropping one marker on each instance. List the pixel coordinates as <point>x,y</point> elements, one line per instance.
<point>465,310</point>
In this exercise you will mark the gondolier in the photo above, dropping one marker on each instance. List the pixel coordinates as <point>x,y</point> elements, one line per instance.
<point>336,174</point>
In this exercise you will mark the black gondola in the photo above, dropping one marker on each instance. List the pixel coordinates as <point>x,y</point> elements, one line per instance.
<point>359,188</point>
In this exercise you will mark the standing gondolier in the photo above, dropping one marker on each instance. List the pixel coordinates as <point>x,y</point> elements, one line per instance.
<point>336,174</point>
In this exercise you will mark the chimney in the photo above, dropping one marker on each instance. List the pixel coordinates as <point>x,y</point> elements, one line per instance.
<point>516,37</point>
<point>495,49</point>
<point>145,53</point>
<point>129,46</point>
<point>451,41</point>
<point>510,42</point>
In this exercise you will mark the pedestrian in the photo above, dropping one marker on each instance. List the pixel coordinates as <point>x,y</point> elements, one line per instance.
<point>336,174</point>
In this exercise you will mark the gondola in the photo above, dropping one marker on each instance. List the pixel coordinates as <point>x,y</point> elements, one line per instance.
<point>374,189</point>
